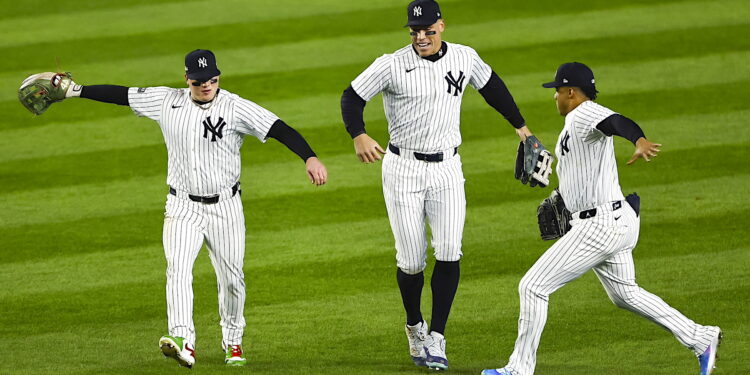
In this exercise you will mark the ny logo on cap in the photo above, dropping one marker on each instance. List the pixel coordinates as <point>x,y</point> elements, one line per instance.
<point>565,80</point>
<point>417,11</point>
<point>202,63</point>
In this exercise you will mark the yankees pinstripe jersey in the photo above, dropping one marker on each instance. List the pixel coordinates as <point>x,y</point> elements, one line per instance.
<point>422,98</point>
<point>203,141</point>
<point>586,159</point>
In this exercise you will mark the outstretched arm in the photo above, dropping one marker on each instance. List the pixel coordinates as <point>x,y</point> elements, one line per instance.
<point>293,140</point>
<point>352,111</point>
<point>622,126</point>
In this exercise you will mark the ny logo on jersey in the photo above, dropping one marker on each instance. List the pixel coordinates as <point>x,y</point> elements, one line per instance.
<point>202,63</point>
<point>417,11</point>
<point>455,84</point>
<point>215,130</point>
<point>564,144</point>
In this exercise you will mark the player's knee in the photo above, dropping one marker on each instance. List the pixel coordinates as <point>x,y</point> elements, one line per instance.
<point>412,268</point>
<point>524,287</point>
<point>626,303</point>
<point>237,287</point>
<point>448,252</point>
<point>449,257</point>
<point>176,275</point>
<point>625,297</point>
<point>529,287</point>
<point>234,280</point>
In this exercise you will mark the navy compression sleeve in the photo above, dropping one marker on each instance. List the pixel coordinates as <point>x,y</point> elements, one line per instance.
<point>618,124</point>
<point>352,111</point>
<point>106,93</point>
<point>291,138</point>
<point>496,94</point>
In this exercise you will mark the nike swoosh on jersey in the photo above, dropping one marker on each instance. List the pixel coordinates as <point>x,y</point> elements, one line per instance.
<point>618,218</point>
<point>176,106</point>
<point>409,70</point>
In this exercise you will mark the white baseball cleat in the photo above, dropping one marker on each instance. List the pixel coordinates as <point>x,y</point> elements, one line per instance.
<point>417,336</point>
<point>707,360</point>
<point>233,355</point>
<point>177,348</point>
<point>435,352</point>
<point>497,371</point>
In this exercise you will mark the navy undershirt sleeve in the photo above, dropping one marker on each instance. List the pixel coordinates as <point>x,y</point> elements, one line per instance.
<point>496,94</point>
<point>106,93</point>
<point>622,126</point>
<point>352,111</point>
<point>291,138</point>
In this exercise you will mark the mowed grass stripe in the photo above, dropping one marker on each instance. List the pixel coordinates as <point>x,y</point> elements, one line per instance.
<point>162,17</point>
<point>350,49</point>
<point>106,231</point>
<point>306,282</point>
<point>323,111</point>
<point>322,86</point>
<point>289,243</point>
<point>272,87</point>
<point>488,304</point>
<point>320,261</point>
<point>35,8</point>
<point>477,339</point>
<point>270,170</point>
<point>105,197</point>
<point>518,244</point>
<point>120,196</point>
<point>182,38</point>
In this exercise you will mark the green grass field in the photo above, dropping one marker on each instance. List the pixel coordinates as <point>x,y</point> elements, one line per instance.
<point>83,186</point>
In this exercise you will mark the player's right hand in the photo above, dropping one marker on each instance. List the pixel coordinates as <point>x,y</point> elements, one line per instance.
<point>367,149</point>
<point>316,171</point>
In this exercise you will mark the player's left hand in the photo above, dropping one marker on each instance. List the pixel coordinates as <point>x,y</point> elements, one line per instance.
<point>316,171</point>
<point>644,149</point>
<point>39,91</point>
<point>368,150</point>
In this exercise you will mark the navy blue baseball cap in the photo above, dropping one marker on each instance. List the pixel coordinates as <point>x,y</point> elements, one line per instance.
<point>573,74</point>
<point>200,65</point>
<point>423,13</point>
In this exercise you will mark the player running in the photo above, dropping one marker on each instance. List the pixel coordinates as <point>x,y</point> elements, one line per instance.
<point>422,85</point>
<point>604,229</point>
<point>203,128</point>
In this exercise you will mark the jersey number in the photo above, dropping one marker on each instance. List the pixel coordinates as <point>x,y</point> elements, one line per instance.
<point>564,143</point>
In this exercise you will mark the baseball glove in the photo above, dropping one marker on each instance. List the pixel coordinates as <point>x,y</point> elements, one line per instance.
<point>533,163</point>
<point>39,91</point>
<point>554,218</point>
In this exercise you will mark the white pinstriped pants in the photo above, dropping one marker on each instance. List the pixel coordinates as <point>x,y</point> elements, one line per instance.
<point>415,190</point>
<point>187,225</point>
<point>604,243</point>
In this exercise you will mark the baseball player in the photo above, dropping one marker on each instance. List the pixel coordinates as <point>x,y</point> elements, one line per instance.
<point>203,128</point>
<point>422,86</point>
<point>604,227</point>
